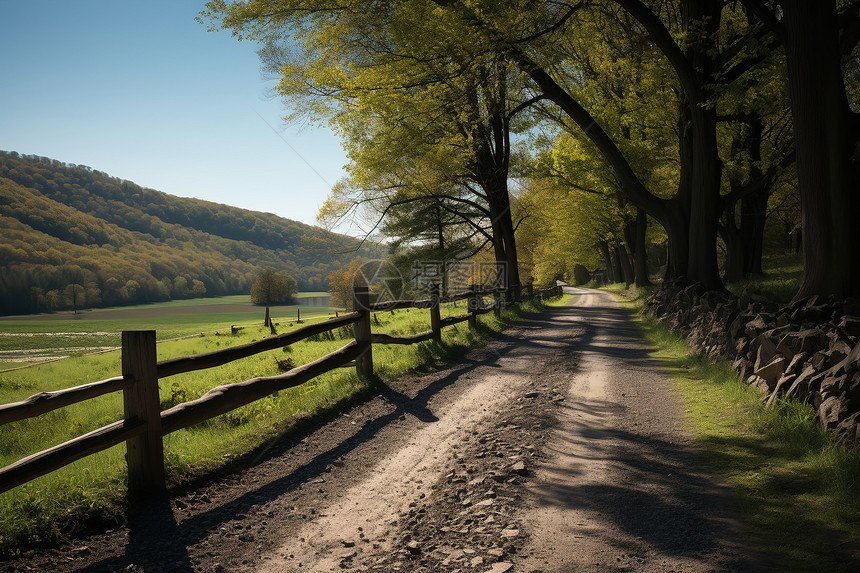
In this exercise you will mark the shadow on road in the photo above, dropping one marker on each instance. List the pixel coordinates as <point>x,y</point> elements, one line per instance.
<point>645,486</point>
<point>157,542</point>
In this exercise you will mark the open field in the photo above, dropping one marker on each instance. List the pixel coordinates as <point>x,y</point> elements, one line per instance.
<point>34,339</point>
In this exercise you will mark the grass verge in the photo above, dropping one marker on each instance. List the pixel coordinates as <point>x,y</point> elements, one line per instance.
<point>797,492</point>
<point>90,494</point>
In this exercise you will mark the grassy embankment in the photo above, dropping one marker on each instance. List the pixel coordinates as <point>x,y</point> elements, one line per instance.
<point>798,492</point>
<point>90,493</point>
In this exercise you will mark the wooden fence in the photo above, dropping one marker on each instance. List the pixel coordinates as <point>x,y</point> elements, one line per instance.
<point>144,424</point>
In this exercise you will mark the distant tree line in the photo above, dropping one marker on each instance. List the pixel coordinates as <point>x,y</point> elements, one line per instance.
<point>63,225</point>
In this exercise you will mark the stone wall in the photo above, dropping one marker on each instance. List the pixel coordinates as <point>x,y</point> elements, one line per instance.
<point>809,349</point>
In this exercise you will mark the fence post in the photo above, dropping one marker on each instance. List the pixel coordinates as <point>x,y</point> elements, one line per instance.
<point>472,306</point>
<point>361,330</point>
<point>435,313</point>
<point>530,290</point>
<point>145,452</point>
<point>497,303</point>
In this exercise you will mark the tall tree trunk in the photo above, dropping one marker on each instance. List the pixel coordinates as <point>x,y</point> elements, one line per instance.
<point>504,241</point>
<point>603,246</point>
<point>701,21</point>
<point>754,204</point>
<point>705,207</point>
<point>506,228</point>
<point>825,142</point>
<point>634,234</point>
<point>624,266</point>
<point>734,268</point>
<point>753,216</point>
<point>443,256</point>
<point>676,225</point>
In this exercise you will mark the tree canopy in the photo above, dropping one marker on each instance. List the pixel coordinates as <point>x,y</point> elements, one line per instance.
<point>272,288</point>
<point>678,113</point>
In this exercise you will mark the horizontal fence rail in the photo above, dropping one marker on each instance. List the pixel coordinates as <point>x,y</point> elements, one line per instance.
<point>228,397</point>
<point>144,424</point>
<point>220,357</point>
<point>45,402</point>
<point>54,458</point>
<point>413,339</point>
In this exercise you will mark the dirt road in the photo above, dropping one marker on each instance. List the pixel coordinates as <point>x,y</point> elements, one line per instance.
<point>557,447</point>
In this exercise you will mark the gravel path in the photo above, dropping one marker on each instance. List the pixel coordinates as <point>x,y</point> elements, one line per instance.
<point>556,447</point>
<point>624,488</point>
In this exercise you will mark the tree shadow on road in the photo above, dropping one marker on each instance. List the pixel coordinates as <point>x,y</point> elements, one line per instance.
<point>158,542</point>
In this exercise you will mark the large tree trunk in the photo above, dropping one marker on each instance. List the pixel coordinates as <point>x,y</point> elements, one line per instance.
<point>701,22</point>
<point>603,246</point>
<point>744,243</point>
<point>734,268</point>
<point>754,204</point>
<point>676,225</point>
<point>634,233</point>
<point>705,206</point>
<point>506,228</point>
<point>625,269</point>
<point>504,241</point>
<point>825,144</point>
<point>753,216</point>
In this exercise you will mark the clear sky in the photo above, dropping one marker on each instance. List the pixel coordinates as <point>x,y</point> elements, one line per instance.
<point>142,91</point>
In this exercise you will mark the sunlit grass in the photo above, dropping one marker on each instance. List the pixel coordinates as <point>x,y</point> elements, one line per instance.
<point>797,491</point>
<point>36,339</point>
<point>91,493</point>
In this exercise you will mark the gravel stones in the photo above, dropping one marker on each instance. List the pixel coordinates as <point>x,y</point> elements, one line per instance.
<point>470,519</point>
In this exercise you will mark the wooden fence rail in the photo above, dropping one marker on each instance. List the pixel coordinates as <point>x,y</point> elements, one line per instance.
<point>144,424</point>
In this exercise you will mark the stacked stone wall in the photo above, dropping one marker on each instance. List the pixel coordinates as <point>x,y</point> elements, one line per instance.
<point>808,350</point>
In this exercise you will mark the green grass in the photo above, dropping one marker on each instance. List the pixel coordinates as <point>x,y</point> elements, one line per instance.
<point>91,493</point>
<point>34,339</point>
<point>781,278</point>
<point>797,491</point>
<point>782,273</point>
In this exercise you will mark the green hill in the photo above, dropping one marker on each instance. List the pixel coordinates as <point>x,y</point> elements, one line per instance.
<point>64,225</point>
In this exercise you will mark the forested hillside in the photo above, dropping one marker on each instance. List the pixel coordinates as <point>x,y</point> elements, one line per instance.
<point>63,225</point>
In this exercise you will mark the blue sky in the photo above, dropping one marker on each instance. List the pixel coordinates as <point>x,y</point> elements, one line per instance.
<point>142,91</point>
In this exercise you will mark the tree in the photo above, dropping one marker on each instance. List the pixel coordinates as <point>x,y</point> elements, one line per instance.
<point>198,289</point>
<point>93,295</point>
<point>341,281</point>
<point>701,65</point>
<point>75,294</point>
<point>700,58</point>
<point>272,288</point>
<point>817,38</point>
<point>418,128</point>
<point>180,287</point>
<point>52,300</point>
